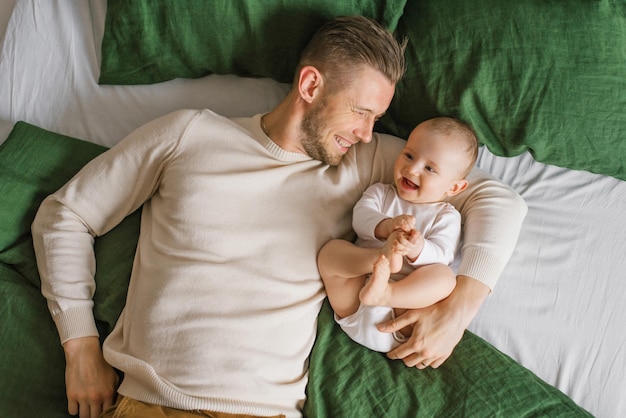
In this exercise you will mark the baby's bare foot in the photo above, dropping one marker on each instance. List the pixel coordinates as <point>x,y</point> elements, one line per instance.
<point>394,253</point>
<point>376,290</point>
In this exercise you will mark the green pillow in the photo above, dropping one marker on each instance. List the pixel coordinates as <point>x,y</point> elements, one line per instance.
<point>543,76</point>
<point>547,77</point>
<point>148,41</point>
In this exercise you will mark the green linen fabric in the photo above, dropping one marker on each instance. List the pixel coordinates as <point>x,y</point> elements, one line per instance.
<point>148,41</point>
<point>33,164</point>
<point>544,76</point>
<point>346,380</point>
<point>32,360</point>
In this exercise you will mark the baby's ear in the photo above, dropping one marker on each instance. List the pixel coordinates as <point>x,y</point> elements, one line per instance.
<point>457,187</point>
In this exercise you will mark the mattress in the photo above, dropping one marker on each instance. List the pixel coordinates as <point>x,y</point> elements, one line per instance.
<point>558,308</point>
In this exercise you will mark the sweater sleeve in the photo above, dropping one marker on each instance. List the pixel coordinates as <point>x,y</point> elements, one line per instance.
<point>492,214</point>
<point>101,195</point>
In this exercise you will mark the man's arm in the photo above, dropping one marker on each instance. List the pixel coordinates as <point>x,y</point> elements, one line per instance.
<point>68,253</point>
<point>90,381</point>
<point>492,215</point>
<point>67,222</point>
<point>437,329</point>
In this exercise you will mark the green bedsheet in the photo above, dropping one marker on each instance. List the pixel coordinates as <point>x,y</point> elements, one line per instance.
<point>346,380</point>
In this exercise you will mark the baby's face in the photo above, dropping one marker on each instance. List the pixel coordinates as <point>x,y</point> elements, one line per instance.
<point>429,167</point>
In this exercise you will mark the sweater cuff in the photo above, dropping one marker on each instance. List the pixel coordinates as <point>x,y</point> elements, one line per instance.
<point>76,323</point>
<point>482,265</point>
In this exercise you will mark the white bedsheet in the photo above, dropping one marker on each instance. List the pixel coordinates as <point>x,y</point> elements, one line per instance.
<point>560,306</point>
<point>48,77</point>
<point>558,309</point>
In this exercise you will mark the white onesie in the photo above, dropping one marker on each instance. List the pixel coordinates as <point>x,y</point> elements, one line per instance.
<point>439,223</point>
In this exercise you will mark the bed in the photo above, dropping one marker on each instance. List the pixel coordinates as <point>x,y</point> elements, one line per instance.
<point>543,82</point>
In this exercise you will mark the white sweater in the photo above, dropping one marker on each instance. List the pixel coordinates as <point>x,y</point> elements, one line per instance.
<point>224,293</point>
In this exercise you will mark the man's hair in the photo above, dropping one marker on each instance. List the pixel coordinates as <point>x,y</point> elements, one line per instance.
<point>464,132</point>
<point>348,43</point>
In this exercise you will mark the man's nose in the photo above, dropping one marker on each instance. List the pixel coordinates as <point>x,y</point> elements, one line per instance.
<point>365,130</point>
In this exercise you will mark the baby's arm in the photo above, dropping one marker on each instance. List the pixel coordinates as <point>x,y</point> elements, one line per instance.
<point>441,240</point>
<point>386,227</point>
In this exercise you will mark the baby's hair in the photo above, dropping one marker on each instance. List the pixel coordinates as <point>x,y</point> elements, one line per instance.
<point>463,131</point>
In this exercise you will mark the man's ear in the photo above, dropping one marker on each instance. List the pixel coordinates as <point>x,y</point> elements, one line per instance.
<point>309,83</point>
<point>457,187</point>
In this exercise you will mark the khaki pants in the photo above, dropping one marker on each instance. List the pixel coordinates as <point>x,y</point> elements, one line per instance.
<point>128,407</point>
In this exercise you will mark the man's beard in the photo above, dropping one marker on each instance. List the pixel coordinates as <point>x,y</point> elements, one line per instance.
<point>313,141</point>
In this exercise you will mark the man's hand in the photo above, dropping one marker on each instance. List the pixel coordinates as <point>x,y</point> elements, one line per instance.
<point>90,380</point>
<point>437,329</point>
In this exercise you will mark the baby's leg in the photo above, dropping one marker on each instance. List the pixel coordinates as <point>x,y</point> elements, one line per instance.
<point>376,291</point>
<point>343,293</point>
<point>343,267</point>
<point>391,250</point>
<point>423,287</point>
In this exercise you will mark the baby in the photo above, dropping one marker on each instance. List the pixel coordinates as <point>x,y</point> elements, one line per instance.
<point>405,228</point>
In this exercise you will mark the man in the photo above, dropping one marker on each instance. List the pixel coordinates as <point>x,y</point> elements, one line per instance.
<point>224,293</point>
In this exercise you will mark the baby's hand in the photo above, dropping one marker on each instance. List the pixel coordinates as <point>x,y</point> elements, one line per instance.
<point>411,243</point>
<point>386,227</point>
<point>404,223</point>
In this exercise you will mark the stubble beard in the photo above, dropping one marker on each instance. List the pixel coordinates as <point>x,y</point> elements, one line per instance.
<point>313,141</point>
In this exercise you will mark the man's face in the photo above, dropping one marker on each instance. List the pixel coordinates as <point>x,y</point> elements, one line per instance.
<point>340,120</point>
